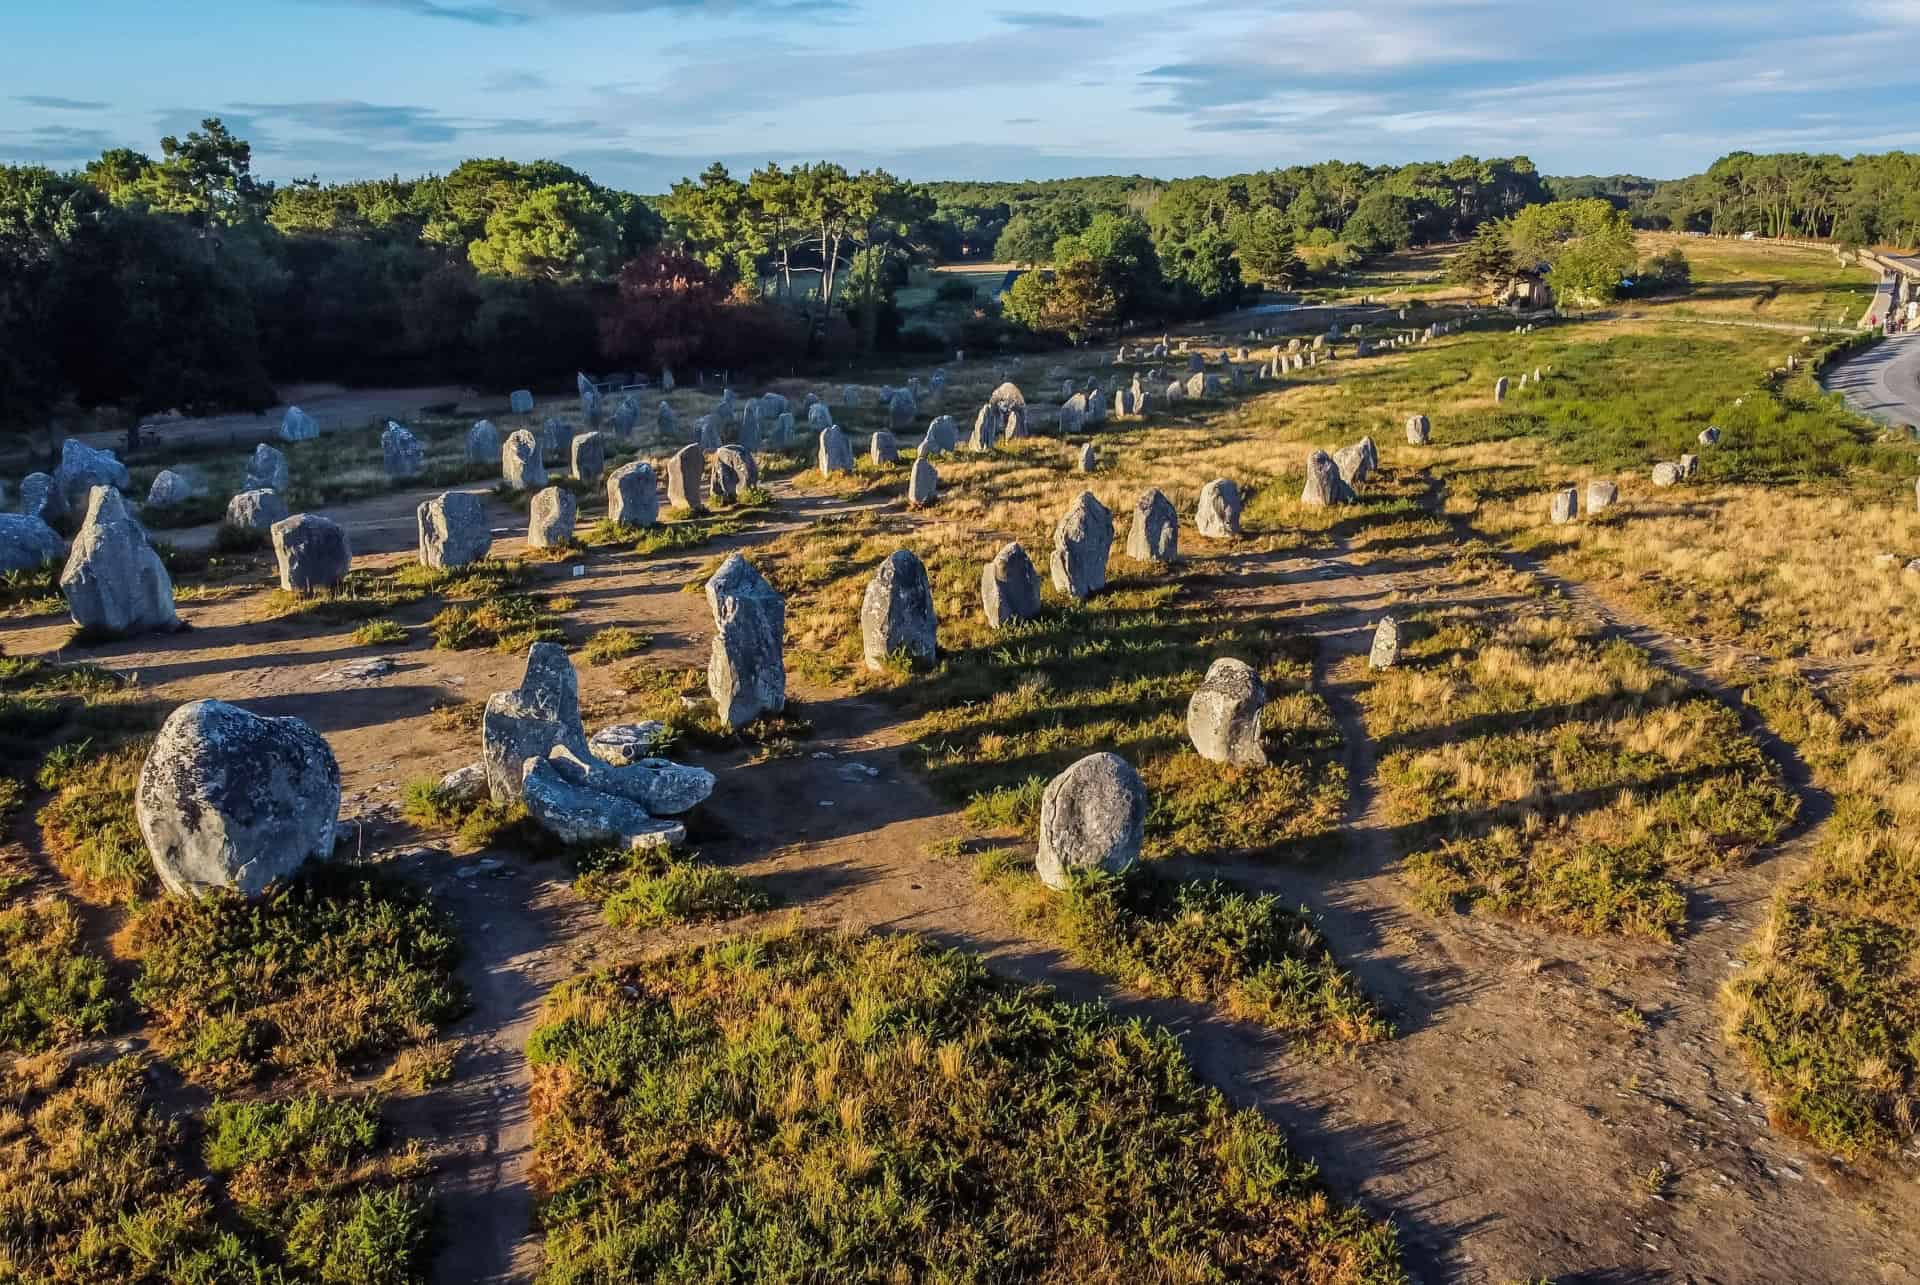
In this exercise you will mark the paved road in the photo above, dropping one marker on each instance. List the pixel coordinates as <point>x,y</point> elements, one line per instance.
<point>1883,381</point>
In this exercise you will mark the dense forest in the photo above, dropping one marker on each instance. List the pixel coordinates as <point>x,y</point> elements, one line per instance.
<point>141,283</point>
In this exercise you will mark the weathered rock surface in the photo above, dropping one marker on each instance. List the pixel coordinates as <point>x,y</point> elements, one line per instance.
<point>1089,460</point>
<point>550,518</point>
<point>883,448</point>
<point>231,799</point>
<point>1093,816</point>
<point>402,453</point>
<point>527,722</point>
<point>1419,430</point>
<point>520,401</point>
<point>113,580</point>
<point>1666,474</point>
<point>624,744</point>
<point>1601,495</point>
<point>1009,587</point>
<point>1500,389</point>
<point>633,495</point>
<point>170,488</point>
<point>1325,485</point>
<point>664,788</point>
<point>1223,718</point>
<point>835,455</point>
<point>943,434</point>
<point>988,426</point>
<point>266,470</point>
<point>1357,462</point>
<point>581,817</point>
<point>40,497</point>
<point>746,668</point>
<point>82,468</point>
<point>589,451</point>
<point>684,472</point>
<point>1081,542</point>
<point>1155,533</point>
<point>1385,652</point>
<point>313,552</point>
<point>733,473</point>
<point>27,544</point>
<point>298,426</point>
<point>255,510</point>
<point>896,616</point>
<point>1217,516</point>
<point>453,530</point>
<point>521,464</point>
<point>923,484</point>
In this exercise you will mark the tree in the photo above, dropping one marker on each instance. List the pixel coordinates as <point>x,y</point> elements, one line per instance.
<point>118,173</point>
<point>1073,300</point>
<point>1380,222</point>
<point>1487,260</point>
<point>1266,249</point>
<point>1023,241</point>
<point>1587,244</point>
<point>1203,270</point>
<point>208,175</point>
<point>662,312</point>
<point>561,233</point>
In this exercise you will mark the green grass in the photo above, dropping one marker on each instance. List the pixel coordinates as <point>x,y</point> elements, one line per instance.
<point>686,533</point>
<point>380,633</point>
<point>53,988</point>
<point>509,623</point>
<point>1202,940</point>
<point>814,1107</point>
<point>475,826</point>
<point>325,974</point>
<point>649,889</point>
<point>614,643</point>
<point>33,592</point>
<point>88,826</point>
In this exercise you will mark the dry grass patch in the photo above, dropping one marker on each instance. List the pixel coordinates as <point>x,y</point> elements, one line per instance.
<point>648,889</point>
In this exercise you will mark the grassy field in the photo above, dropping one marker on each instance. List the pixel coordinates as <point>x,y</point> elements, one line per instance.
<point>1758,281</point>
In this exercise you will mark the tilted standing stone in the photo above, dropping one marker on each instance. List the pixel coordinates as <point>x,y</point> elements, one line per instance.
<point>1089,459</point>
<point>1093,816</point>
<point>923,484</point>
<point>1357,462</point>
<point>589,457</point>
<point>1601,495</point>
<point>453,530</point>
<point>520,401</point>
<point>255,510</point>
<point>527,722</point>
<point>1155,533</point>
<point>1223,718</point>
<point>684,472</point>
<point>884,448</point>
<point>550,518</point>
<point>483,443</point>
<point>1419,429</point>
<point>402,453</point>
<point>1218,514</point>
<point>835,455</point>
<point>266,470</point>
<point>1009,587</point>
<point>113,580</point>
<point>312,551</point>
<point>733,472</point>
<point>298,426</point>
<point>520,464</point>
<point>746,668</point>
<point>633,495</point>
<point>943,434</point>
<point>1385,652</point>
<point>986,427</point>
<point>1324,485</point>
<point>1566,505</point>
<point>230,799</point>
<point>896,617</point>
<point>1081,542</point>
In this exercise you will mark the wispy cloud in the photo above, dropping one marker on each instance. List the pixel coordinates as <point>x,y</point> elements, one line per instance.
<point>1043,20</point>
<point>53,102</point>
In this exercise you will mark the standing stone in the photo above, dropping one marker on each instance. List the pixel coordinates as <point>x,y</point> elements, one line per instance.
<point>1689,465</point>
<point>298,426</point>
<point>1073,420</point>
<point>1155,533</point>
<point>27,544</point>
<point>633,495</point>
<point>987,425</point>
<point>1081,542</point>
<point>402,453</point>
<point>733,472</point>
<point>783,430</point>
<point>589,457</point>
<point>453,530</point>
<point>529,721</point>
<point>1419,429</point>
<point>746,668</point>
<point>1566,505</point>
<point>1009,587</point>
<point>113,580</point>
<point>1196,363</point>
<point>666,379</point>
<point>1007,394</point>
<point>901,410</point>
<point>1013,422</point>
<point>1089,459</point>
<point>1385,652</point>
<point>483,443</point>
<point>312,551</point>
<point>1218,514</point>
<point>884,448</point>
<point>170,488</point>
<point>625,416</point>
<point>923,484</point>
<point>1666,474</point>
<point>942,436</point>
<point>1122,403</point>
<point>1223,718</point>
<point>554,436</point>
<point>896,616</point>
<point>819,416</point>
<point>1358,461</point>
<point>266,470</point>
<point>835,455</point>
<point>1709,436</point>
<point>228,799</point>
<point>1500,389</point>
<point>669,429</point>
<point>82,468</point>
<point>520,464</point>
<point>1324,485</point>
<point>1093,816</point>
<point>520,401</point>
<point>550,518</point>
<point>749,434</point>
<point>684,471</point>
<point>255,510</point>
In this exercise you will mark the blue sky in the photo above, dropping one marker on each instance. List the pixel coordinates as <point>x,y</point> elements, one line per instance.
<point>640,92</point>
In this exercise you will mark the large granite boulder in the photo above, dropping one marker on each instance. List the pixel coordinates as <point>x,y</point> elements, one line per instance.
<point>1007,394</point>
<point>82,468</point>
<point>943,435</point>
<point>1325,485</point>
<point>402,453</point>
<point>1082,539</point>
<point>733,473</point>
<point>836,456</point>
<point>1385,652</point>
<point>883,448</point>
<point>1665,473</point>
<point>114,581</point>
<point>746,669</point>
<point>664,788</point>
<point>298,426</point>
<point>589,457</point>
<point>453,530</point>
<point>256,510</point>
<point>1217,516</point>
<point>483,442</point>
<point>1223,718</point>
<point>1093,816</point>
<point>232,799</point>
<point>923,484</point>
<point>583,817</point>
<point>1155,533</point>
<point>313,552</point>
<point>1357,462</point>
<point>170,489</point>
<point>27,544</point>
<point>633,495</point>
<point>527,722</point>
<point>521,464</point>
<point>896,617</point>
<point>684,471</point>
<point>266,470</point>
<point>988,426</point>
<point>550,518</point>
<point>1009,587</point>
<point>40,497</point>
